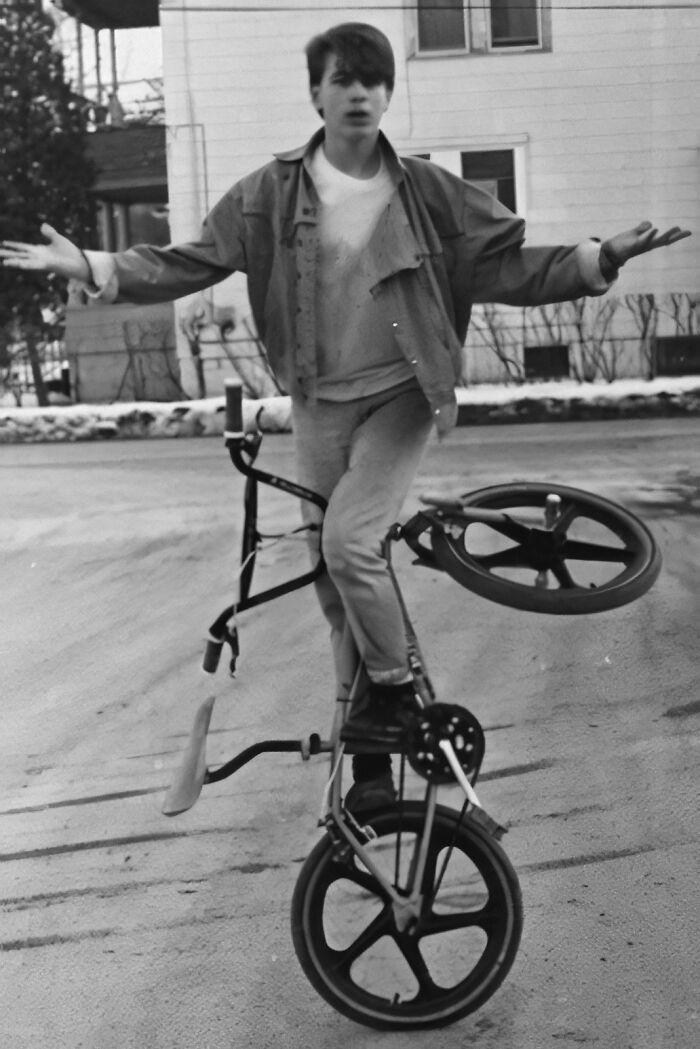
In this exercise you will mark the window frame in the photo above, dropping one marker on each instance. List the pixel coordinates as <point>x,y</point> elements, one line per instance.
<point>510,49</point>
<point>478,34</point>
<point>437,52</point>
<point>448,155</point>
<point>511,177</point>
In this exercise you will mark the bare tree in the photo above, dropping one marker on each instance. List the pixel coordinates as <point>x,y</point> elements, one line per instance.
<point>591,320</point>
<point>492,327</point>
<point>645,312</point>
<point>205,324</point>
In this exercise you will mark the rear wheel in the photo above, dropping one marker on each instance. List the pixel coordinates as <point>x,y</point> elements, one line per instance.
<point>446,964</point>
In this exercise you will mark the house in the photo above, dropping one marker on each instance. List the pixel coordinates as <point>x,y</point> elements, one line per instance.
<point>119,352</point>
<point>584,118</point>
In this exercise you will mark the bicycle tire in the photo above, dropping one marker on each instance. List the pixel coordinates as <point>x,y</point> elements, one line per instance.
<point>487,875</point>
<point>639,554</point>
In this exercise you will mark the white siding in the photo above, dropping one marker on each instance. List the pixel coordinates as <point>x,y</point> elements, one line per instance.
<point>608,120</point>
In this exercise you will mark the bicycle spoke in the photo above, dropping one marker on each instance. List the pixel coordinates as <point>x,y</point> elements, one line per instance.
<point>342,960</point>
<point>569,513</point>
<point>364,880</point>
<point>509,528</point>
<point>563,576</point>
<point>513,557</point>
<point>427,988</point>
<point>579,550</point>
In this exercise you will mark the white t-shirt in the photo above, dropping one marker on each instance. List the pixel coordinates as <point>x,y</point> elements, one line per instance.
<point>357,354</point>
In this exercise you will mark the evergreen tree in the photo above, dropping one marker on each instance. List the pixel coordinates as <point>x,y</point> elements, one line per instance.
<point>44,175</point>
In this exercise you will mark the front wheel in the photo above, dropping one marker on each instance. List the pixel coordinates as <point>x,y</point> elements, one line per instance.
<point>443,966</point>
<point>595,556</point>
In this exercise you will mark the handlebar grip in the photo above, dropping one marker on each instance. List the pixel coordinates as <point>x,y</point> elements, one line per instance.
<point>234,406</point>
<point>212,654</point>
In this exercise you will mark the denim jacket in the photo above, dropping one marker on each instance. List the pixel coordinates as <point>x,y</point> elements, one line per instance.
<point>441,245</point>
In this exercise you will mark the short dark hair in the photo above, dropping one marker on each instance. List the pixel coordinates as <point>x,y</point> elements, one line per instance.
<point>362,52</point>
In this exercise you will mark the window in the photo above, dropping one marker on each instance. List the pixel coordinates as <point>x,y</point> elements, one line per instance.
<point>546,362</point>
<point>498,171</point>
<point>491,25</point>
<point>122,223</point>
<point>677,355</point>
<point>441,25</point>
<point>494,171</point>
<point>515,23</point>
<point>149,224</point>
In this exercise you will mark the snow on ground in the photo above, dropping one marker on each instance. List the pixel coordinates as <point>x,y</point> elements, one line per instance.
<point>482,404</point>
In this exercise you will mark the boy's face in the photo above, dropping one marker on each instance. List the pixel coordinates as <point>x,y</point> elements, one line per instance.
<point>350,108</point>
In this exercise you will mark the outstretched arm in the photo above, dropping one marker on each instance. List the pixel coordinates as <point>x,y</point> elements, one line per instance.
<point>144,273</point>
<point>619,249</point>
<point>59,256</point>
<point>525,276</point>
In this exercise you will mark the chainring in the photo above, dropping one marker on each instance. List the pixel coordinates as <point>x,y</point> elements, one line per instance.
<point>445,722</point>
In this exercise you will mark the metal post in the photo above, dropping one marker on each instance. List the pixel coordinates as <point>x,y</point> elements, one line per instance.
<point>98,68</point>
<point>81,59</point>
<point>65,378</point>
<point>113,60</point>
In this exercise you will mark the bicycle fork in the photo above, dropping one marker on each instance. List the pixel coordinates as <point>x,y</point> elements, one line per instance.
<point>351,837</point>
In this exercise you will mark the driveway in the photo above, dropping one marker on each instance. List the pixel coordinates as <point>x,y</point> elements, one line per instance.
<point>123,929</point>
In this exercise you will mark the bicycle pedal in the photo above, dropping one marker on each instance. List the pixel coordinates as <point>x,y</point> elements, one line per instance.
<point>480,816</point>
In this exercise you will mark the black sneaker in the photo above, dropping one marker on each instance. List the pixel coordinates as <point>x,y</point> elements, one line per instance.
<point>379,718</point>
<point>370,794</point>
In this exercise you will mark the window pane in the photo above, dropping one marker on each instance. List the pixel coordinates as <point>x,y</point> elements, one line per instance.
<point>148,224</point>
<point>494,171</point>
<point>514,23</point>
<point>546,362</point>
<point>440,25</point>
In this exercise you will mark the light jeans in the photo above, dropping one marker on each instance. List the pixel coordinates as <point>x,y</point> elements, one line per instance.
<point>362,456</point>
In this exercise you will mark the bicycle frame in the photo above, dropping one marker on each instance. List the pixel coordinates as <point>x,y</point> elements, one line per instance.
<point>243,449</point>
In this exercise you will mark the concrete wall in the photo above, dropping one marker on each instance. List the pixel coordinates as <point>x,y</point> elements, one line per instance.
<point>123,353</point>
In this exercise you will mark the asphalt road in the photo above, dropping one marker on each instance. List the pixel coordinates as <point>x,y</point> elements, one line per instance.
<point>123,929</point>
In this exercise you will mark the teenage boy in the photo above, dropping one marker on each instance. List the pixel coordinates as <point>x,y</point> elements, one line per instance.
<point>362,269</point>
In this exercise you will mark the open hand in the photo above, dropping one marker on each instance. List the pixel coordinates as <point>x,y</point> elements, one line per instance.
<point>59,256</point>
<point>644,237</point>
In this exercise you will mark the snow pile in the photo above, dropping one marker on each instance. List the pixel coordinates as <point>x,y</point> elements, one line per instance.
<point>84,422</point>
<point>478,405</point>
<point>569,401</point>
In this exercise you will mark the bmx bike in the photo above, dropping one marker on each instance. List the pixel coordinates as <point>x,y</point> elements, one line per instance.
<point>409,916</point>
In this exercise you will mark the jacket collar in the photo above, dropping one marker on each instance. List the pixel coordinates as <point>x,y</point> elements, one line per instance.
<point>305,152</point>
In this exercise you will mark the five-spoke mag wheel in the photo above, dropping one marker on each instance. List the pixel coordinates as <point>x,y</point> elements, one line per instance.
<point>591,556</point>
<point>447,961</point>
